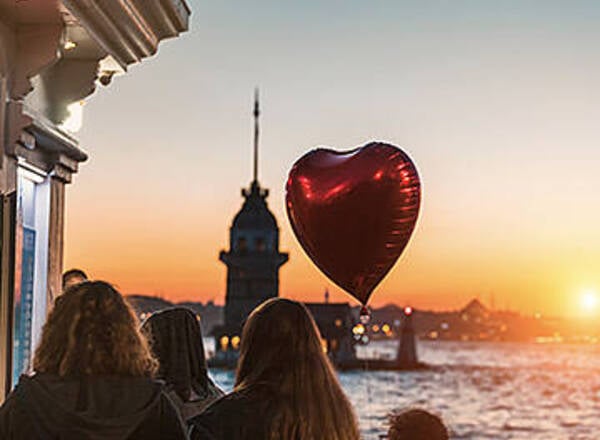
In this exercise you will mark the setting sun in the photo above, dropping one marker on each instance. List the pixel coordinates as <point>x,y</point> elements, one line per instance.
<point>589,301</point>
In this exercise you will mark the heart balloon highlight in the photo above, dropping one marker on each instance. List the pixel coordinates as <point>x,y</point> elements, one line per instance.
<point>354,212</point>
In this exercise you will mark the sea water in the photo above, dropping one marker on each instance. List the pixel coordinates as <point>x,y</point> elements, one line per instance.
<point>483,390</point>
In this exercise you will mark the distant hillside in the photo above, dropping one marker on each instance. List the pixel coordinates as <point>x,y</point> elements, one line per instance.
<point>210,314</point>
<point>474,322</point>
<point>148,304</point>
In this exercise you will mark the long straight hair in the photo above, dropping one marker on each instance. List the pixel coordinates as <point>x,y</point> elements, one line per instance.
<point>281,351</point>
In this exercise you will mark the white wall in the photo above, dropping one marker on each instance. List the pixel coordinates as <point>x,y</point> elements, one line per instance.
<point>34,206</point>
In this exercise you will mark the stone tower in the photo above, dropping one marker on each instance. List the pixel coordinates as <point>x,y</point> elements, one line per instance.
<point>253,259</point>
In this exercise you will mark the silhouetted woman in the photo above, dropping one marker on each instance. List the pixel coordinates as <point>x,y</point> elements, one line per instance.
<point>93,376</point>
<point>285,387</point>
<point>176,341</point>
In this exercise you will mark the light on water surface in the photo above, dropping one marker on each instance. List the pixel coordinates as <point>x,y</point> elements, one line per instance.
<point>484,391</point>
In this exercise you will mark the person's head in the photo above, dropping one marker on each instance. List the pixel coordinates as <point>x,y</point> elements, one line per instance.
<point>176,341</point>
<point>416,424</point>
<point>281,349</point>
<point>72,277</point>
<point>92,331</point>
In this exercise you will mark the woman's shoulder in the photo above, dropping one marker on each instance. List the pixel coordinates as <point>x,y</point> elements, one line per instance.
<point>222,417</point>
<point>235,401</point>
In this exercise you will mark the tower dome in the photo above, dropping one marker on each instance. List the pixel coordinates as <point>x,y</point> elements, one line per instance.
<point>255,213</point>
<point>254,228</point>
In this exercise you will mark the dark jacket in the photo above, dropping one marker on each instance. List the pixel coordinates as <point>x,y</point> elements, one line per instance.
<point>48,407</point>
<point>176,341</point>
<point>237,416</point>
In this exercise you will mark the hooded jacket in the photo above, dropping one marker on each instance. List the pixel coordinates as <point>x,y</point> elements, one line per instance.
<point>48,407</point>
<point>176,340</point>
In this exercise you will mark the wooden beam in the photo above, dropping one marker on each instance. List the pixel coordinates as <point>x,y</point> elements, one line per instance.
<point>56,229</point>
<point>7,280</point>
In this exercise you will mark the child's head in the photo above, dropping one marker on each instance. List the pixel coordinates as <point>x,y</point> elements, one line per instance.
<point>416,424</point>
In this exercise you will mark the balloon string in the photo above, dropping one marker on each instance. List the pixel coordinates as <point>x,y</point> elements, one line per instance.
<point>369,395</point>
<point>365,318</point>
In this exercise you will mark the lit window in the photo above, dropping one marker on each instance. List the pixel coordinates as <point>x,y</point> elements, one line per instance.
<point>224,341</point>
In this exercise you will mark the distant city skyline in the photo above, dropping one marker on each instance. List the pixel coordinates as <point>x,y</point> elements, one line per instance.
<point>496,102</point>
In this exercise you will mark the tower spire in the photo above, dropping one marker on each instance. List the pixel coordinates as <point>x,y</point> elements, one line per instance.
<point>256,133</point>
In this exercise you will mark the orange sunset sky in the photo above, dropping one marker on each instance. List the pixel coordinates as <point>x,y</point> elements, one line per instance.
<point>496,102</point>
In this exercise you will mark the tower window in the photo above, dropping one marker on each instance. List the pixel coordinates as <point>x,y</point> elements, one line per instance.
<point>242,244</point>
<point>260,244</point>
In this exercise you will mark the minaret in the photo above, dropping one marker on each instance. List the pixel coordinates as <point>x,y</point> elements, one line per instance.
<point>253,259</point>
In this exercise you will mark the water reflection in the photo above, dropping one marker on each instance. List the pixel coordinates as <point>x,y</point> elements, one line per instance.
<point>486,391</point>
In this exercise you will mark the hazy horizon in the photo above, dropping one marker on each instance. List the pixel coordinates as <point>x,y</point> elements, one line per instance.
<point>497,104</point>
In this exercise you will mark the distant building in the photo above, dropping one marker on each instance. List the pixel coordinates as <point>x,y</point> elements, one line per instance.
<point>53,55</point>
<point>475,311</point>
<point>335,322</point>
<point>253,258</point>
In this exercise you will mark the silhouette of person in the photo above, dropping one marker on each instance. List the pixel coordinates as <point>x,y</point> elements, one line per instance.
<point>72,277</point>
<point>285,386</point>
<point>93,376</point>
<point>416,424</point>
<point>176,341</point>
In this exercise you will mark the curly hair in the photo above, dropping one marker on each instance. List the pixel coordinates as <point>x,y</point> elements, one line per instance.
<point>93,331</point>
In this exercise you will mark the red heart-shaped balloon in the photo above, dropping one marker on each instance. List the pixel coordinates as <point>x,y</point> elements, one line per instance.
<point>354,212</point>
